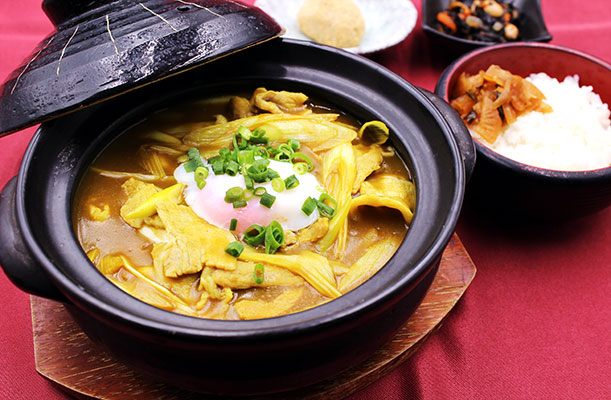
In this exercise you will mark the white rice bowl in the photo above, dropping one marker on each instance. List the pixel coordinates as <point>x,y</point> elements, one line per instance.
<point>575,136</point>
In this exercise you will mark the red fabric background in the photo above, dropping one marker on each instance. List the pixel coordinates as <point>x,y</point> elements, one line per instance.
<point>534,323</point>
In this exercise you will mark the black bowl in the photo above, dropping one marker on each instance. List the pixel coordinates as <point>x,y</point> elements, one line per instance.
<point>514,191</point>
<point>39,250</point>
<point>532,27</point>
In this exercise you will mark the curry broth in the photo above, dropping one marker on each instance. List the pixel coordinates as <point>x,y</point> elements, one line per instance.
<point>113,236</point>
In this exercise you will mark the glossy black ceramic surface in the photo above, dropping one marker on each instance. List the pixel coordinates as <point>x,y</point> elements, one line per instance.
<point>240,357</point>
<point>102,48</point>
<point>532,27</point>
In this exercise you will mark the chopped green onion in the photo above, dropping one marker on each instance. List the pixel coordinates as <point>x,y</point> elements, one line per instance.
<point>309,206</point>
<point>182,158</point>
<point>304,158</point>
<point>258,133</point>
<point>258,136</point>
<point>225,153</point>
<point>258,170</point>
<point>233,194</point>
<point>246,157</point>
<point>294,144</point>
<point>232,168</point>
<point>263,152</point>
<point>218,165</point>
<point>234,249</point>
<point>278,185</point>
<point>300,168</point>
<point>254,235</point>
<point>325,197</point>
<point>274,237</point>
<point>267,200</point>
<point>233,224</point>
<point>282,157</point>
<point>240,204</point>
<point>259,274</point>
<point>248,194</point>
<point>245,132</point>
<point>200,175</point>
<point>271,174</point>
<point>259,191</point>
<point>250,185</point>
<point>290,182</point>
<point>325,210</point>
<point>195,160</point>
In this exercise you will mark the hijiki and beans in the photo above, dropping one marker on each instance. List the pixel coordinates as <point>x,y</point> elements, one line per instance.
<point>481,20</point>
<point>244,207</point>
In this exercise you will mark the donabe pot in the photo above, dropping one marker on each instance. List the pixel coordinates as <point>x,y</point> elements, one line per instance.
<point>40,252</point>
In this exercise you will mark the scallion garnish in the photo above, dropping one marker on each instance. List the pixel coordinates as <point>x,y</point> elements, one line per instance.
<point>254,235</point>
<point>294,144</point>
<point>259,191</point>
<point>245,132</point>
<point>218,165</point>
<point>274,237</point>
<point>278,185</point>
<point>300,168</point>
<point>234,249</point>
<point>267,200</point>
<point>258,170</point>
<point>303,158</point>
<point>246,157</point>
<point>259,274</point>
<point>271,174</point>
<point>232,168</point>
<point>233,224</point>
<point>195,160</point>
<point>248,182</point>
<point>248,194</point>
<point>233,194</point>
<point>309,206</point>
<point>240,204</point>
<point>291,182</point>
<point>200,175</point>
<point>326,210</point>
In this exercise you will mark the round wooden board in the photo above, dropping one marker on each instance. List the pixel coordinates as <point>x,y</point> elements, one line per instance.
<point>66,356</point>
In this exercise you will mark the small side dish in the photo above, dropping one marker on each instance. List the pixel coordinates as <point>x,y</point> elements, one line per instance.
<point>538,120</point>
<point>358,26</point>
<point>245,207</point>
<point>337,23</point>
<point>481,20</point>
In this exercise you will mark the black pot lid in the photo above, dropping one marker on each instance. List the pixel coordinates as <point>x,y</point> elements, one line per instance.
<point>102,48</point>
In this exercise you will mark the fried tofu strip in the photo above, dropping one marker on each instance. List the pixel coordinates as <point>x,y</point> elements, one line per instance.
<point>242,277</point>
<point>191,243</point>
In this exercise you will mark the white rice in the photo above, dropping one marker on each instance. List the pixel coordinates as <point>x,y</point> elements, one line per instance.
<point>576,136</point>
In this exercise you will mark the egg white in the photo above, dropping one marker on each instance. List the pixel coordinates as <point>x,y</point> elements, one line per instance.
<point>209,202</point>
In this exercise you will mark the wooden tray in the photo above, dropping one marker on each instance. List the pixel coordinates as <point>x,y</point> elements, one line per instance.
<point>66,356</point>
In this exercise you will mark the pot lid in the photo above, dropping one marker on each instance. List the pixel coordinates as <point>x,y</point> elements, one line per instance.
<point>102,48</point>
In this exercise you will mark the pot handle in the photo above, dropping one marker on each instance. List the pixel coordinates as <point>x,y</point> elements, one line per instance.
<point>15,258</point>
<point>459,130</point>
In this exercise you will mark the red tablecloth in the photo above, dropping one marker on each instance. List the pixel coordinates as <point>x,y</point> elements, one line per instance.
<point>535,322</point>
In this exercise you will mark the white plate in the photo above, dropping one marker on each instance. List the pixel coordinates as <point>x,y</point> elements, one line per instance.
<point>387,22</point>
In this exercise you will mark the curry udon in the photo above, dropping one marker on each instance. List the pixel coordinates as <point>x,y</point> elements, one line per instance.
<point>244,207</point>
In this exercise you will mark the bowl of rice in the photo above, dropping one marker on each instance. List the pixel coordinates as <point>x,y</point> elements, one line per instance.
<point>539,117</point>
